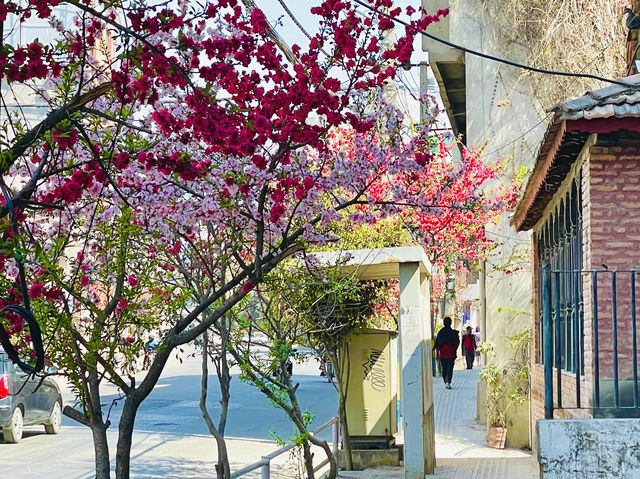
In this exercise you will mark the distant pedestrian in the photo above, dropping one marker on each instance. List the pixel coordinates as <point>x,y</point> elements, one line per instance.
<point>478,341</point>
<point>446,344</point>
<point>469,347</point>
<point>151,344</point>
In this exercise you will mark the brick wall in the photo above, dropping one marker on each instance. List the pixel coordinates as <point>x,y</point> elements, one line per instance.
<point>611,236</point>
<point>614,234</point>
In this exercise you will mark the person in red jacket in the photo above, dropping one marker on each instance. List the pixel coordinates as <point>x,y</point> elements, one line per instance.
<point>469,346</point>
<point>447,342</point>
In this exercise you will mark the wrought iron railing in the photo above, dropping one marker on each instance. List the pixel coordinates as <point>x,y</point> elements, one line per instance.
<point>600,306</point>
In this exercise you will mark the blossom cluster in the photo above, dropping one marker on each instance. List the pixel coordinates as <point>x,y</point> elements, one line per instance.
<point>215,147</point>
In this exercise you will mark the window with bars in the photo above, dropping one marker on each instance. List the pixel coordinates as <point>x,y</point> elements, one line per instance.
<point>559,243</point>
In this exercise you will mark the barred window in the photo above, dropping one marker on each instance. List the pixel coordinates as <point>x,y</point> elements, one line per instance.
<point>559,243</point>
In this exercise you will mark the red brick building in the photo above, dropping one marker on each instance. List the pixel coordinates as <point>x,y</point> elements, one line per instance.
<point>582,203</point>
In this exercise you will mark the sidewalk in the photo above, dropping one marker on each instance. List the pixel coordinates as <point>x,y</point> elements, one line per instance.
<point>461,445</point>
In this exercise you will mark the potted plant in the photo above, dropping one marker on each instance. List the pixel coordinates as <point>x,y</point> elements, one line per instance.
<point>507,385</point>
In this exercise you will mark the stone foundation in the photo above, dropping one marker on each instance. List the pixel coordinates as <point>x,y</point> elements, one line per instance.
<point>365,458</point>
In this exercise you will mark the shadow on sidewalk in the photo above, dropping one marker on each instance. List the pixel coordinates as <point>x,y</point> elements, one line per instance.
<point>461,442</point>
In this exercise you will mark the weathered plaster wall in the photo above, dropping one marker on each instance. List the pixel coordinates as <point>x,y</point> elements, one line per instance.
<point>589,448</point>
<point>500,111</point>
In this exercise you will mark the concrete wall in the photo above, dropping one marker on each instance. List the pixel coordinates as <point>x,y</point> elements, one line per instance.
<point>501,111</point>
<point>589,448</point>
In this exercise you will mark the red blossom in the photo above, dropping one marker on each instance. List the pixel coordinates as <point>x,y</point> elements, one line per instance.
<point>175,249</point>
<point>36,290</point>
<point>247,287</point>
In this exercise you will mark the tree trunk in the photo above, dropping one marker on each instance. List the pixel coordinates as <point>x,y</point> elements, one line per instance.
<point>308,459</point>
<point>125,436</point>
<point>98,426</point>
<point>333,464</point>
<point>223,470</point>
<point>100,444</point>
<point>130,409</point>
<point>341,367</point>
<point>101,450</point>
<point>346,442</point>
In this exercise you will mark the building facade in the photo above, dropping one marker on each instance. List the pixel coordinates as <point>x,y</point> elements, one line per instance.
<point>582,204</point>
<point>488,103</point>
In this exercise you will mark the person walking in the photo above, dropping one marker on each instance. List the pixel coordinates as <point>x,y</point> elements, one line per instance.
<point>469,347</point>
<point>446,344</point>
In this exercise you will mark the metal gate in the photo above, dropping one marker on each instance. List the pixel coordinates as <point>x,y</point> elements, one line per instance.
<point>600,306</point>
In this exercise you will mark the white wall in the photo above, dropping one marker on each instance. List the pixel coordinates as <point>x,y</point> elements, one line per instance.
<point>501,110</point>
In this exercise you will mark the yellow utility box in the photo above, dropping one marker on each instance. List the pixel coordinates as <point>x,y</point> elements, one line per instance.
<point>372,386</point>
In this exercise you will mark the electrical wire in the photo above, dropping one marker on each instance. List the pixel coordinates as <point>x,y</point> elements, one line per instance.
<point>498,59</point>
<point>544,118</point>
<point>294,19</point>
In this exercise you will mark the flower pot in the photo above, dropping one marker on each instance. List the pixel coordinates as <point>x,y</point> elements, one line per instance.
<point>497,437</point>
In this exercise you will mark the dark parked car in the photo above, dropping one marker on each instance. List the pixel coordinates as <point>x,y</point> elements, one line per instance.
<point>23,403</point>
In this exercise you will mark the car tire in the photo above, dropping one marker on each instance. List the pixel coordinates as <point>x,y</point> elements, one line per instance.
<point>13,432</point>
<point>52,426</point>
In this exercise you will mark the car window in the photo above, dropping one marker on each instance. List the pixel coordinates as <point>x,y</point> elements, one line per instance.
<point>9,367</point>
<point>6,365</point>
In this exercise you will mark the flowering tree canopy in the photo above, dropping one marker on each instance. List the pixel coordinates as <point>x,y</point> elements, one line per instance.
<point>185,153</point>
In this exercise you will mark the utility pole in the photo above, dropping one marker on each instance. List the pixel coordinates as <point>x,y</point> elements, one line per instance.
<point>424,82</point>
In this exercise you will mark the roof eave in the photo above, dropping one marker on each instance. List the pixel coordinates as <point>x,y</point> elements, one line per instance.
<point>549,148</point>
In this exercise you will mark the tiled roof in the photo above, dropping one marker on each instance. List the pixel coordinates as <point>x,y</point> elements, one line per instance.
<point>612,101</point>
<point>562,143</point>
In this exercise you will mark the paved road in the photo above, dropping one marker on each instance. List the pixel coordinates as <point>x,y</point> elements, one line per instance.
<point>171,439</point>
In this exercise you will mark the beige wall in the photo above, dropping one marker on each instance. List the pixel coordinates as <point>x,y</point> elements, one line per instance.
<point>499,110</point>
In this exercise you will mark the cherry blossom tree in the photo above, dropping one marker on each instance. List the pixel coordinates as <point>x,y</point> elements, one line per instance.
<point>186,130</point>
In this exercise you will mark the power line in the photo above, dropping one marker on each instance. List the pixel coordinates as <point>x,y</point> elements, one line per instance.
<point>294,19</point>
<point>544,118</point>
<point>498,59</point>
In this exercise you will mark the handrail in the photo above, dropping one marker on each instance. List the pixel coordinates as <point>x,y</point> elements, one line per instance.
<point>265,461</point>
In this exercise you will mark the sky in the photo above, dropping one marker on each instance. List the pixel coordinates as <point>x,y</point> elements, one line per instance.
<point>301,11</point>
<point>409,81</point>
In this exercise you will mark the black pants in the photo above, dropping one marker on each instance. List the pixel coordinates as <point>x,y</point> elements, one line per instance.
<point>470,355</point>
<point>447,369</point>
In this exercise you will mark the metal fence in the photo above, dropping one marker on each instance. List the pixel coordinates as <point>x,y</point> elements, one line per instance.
<point>264,464</point>
<point>601,307</point>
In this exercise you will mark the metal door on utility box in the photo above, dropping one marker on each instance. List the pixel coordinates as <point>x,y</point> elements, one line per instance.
<point>371,394</point>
